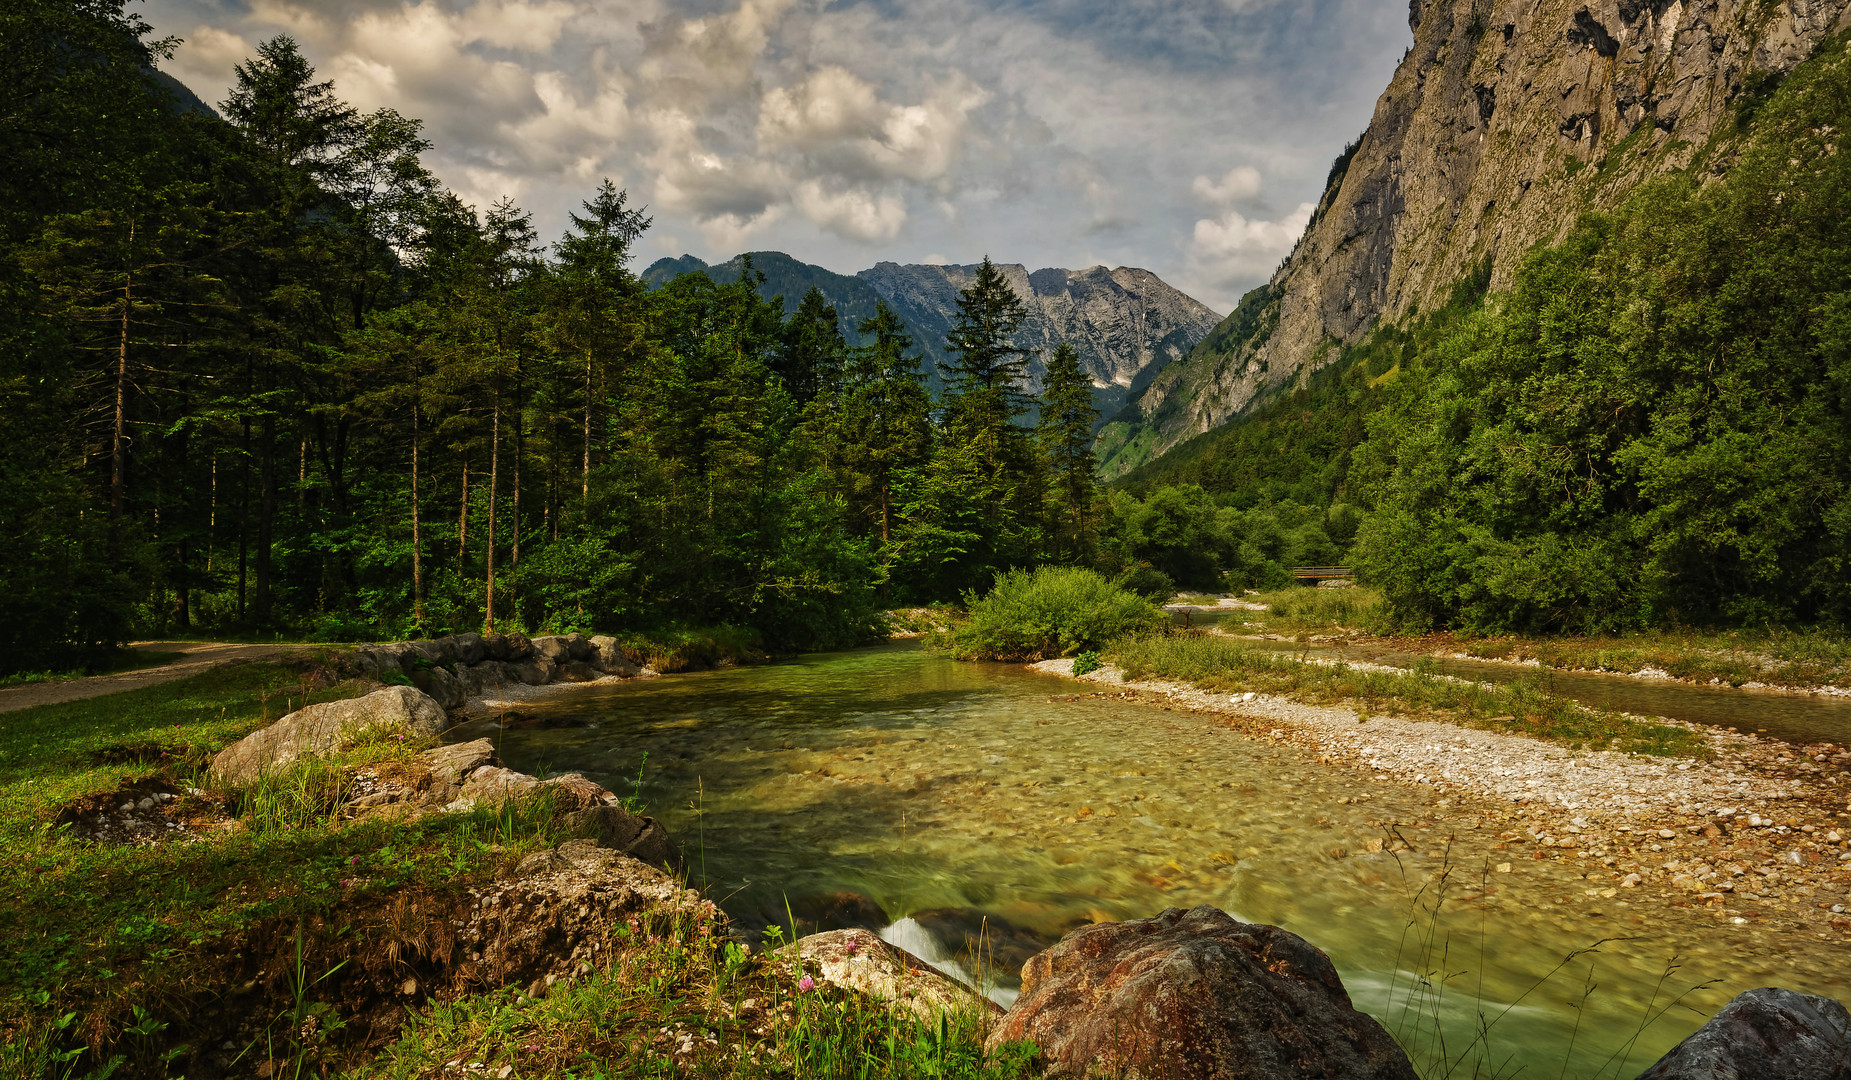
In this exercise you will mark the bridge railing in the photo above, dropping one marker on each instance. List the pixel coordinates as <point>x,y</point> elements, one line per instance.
<point>1320,573</point>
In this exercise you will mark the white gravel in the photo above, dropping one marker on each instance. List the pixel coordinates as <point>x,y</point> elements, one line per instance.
<point>1506,766</point>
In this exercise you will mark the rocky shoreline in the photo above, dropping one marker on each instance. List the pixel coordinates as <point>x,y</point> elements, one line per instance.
<point>1756,832</point>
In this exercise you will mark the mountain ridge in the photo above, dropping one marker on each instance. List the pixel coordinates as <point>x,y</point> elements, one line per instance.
<point>1127,323</point>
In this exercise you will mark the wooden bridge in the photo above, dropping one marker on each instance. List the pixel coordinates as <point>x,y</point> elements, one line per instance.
<point>1320,573</point>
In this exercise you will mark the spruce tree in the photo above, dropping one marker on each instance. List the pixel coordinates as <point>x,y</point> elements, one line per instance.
<point>1065,434</point>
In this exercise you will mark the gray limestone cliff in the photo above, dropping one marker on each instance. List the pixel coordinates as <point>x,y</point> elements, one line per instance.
<point>1127,324</point>
<point>1505,121</point>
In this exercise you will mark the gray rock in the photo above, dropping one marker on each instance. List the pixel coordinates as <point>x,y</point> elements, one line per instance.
<point>470,648</point>
<point>519,648</point>
<point>553,648</point>
<point>611,658</point>
<point>323,729</point>
<point>442,686</point>
<point>436,650</point>
<point>858,960</point>
<point>576,671</point>
<point>450,764</point>
<point>580,647</point>
<point>639,837</point>
<point>1765,1034</point>
<point>535,672</point>
<point>495,646</point>
<point>1195,995</point>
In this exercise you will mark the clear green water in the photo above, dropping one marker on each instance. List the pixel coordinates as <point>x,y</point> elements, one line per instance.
<point>958,792</point>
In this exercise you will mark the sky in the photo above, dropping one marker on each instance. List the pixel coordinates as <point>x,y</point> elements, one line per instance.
<point>1187,137</point>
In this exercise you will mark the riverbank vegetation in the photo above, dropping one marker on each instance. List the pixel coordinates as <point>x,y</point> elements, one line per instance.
<point>1228,665</point>
<point>110,941</point>
<point>682,1004</point>
<point>1044,613</point>
<point>1645,431</point>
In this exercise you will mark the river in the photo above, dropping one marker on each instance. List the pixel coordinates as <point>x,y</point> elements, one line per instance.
<point>948,799</point>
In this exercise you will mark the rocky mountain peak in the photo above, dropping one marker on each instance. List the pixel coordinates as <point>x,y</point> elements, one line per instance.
<point>1126,323</point>
<point>1505,121</point>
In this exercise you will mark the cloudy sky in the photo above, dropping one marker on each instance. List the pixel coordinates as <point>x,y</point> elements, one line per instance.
<point>1185,136</point>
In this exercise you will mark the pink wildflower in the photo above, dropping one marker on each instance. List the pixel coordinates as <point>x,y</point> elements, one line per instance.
<point>806,984</point>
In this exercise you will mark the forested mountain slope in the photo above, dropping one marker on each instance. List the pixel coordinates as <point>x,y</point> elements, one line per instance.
<point>1650,425</point>
<point>1505,120</point>
<point>1126,324</point>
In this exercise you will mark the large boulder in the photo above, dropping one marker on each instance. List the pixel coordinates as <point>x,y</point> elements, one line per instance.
<point>470,648</point>
<point>1192,996</point>
<point>580,646</point>
<point>441,685</point>
<point>1765,1034</point>
<point>555,648</point>
<point>322,729</point>
<point>858,960</point>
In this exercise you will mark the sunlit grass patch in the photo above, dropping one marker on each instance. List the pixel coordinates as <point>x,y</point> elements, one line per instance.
<point>680,1002</point>
<point>1302,607</point>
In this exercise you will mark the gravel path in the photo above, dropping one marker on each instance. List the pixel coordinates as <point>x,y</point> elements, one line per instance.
<point>199,656</point>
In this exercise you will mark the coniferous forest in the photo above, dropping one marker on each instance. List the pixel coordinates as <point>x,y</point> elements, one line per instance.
<point>264,373</point>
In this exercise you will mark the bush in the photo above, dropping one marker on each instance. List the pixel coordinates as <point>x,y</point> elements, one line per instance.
<point>1053,611</point>
<point>1151,584</point>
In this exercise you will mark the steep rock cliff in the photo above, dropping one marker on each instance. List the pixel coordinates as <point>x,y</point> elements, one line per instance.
<point>1505,120</point>
<point>1127,324</point>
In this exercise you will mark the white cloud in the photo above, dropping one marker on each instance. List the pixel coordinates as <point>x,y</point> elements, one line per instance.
<point>1240,183</point>
<point>849,131</point>
<point>1232,248</point>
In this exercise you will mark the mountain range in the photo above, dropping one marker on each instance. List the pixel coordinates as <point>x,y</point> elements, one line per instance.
<point>1127,324</point>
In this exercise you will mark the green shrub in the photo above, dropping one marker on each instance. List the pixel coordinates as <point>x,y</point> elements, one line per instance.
<point>1053,611</point>
<point>1086,663</point>
<point>1148,582</point>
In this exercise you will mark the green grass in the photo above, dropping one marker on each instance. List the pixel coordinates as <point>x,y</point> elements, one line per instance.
<point>1225,664</point>
<point>1777,657</point>
<point>682,1002</point>
<point>100,930</point>
<point>1301,607</point>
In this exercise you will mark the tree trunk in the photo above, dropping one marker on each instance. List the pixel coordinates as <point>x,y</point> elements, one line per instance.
<point>244,519</point>
<point>417,534</point>
<point>585,468</point>
<point>266,522</point>
<point>494,469</point>
<point>118,457</point>
<point>462,524</point>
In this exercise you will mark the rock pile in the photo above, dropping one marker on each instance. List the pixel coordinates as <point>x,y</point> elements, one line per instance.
<point>456,668</point>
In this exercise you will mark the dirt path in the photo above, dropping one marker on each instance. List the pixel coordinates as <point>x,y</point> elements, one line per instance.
<point>199,656</point>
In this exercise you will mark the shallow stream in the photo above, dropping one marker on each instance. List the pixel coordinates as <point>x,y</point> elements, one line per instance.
<point>892,785</point>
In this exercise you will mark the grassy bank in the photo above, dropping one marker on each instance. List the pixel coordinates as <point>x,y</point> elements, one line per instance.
<point>108,940</point>
<point>683,1004</point>
<point>116,949</point>
<point>1771,656</point>
<point>1222,664</point>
